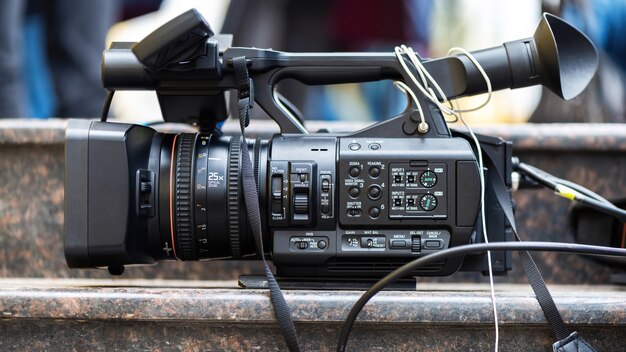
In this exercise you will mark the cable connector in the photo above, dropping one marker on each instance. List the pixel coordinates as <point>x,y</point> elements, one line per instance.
<point>566,192</point>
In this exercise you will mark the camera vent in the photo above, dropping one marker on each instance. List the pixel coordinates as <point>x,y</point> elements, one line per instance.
<point>379,266</point>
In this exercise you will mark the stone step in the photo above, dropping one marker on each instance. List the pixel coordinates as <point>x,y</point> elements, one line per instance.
<point>139,315</point>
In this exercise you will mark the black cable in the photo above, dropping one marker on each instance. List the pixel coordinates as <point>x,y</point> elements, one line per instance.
<point>592,200</point>
<point>107,106</point>
<point>577,187</point>
<point>460,251</point>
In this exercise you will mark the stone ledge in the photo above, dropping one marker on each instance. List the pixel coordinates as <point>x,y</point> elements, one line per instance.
<point>215,302</point>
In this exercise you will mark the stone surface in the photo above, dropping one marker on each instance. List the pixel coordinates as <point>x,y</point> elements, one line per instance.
<point>98,315</point>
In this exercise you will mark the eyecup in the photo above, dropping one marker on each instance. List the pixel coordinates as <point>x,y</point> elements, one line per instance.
<point>567,56</point>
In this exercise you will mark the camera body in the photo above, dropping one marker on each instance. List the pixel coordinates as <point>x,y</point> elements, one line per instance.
<point>333,205</point>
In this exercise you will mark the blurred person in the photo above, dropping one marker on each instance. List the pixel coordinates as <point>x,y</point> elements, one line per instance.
<point>338,25</point>
<point>74,32</point>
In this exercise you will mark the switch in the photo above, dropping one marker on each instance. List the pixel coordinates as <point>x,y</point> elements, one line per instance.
<point>302,177</point>
<point>373,242</point>
<point>325,208</point>
<point>354,213</point>
<point>277,187</point>
<point>325,185</point>
<point>277,195</point>
<point>302,244</point>
<point>145,193</point>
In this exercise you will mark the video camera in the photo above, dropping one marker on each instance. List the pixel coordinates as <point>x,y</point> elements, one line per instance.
<point>333,205</point>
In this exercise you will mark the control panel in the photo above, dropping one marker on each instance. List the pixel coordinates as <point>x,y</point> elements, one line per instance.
<point>291,192</point>
<point>417,190</point>
<point>399,243</point>
<point>386,182</point>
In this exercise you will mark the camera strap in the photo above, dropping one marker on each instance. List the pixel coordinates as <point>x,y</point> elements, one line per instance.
<point>568,341</point>
<point>251,199</point>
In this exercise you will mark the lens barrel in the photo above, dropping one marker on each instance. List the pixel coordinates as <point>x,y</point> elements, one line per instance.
<point>202,212</point>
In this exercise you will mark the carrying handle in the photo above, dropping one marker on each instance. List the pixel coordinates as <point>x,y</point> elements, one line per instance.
<point>268,68</point>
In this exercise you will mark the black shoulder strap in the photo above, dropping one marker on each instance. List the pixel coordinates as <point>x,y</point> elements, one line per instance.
<point>568,341</point>
<point>251,199</point>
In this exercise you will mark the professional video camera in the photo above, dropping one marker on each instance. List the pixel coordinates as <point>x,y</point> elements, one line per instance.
<point>349,205</point>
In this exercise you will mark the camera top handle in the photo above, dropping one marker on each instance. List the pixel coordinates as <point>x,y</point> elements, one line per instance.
<point>182,63</point>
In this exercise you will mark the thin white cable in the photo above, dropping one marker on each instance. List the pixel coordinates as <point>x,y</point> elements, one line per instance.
<point>430,94</point>
<point>484,227</point>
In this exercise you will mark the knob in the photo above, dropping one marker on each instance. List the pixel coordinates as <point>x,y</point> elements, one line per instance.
<point>301,203</point>
<point>428,179</point>
<point>428,202</point>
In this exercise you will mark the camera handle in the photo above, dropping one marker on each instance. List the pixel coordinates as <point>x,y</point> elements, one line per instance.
<point>268,68</point>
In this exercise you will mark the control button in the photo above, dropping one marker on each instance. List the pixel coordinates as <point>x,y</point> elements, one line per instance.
<point>355,191</point>
<point>428,202</point>
<point>301,203</point>
<point>374,192</point>
<point>355,171</point>
<point>302,244</point>
<point>374,171</point>
<point>428,179</point>
<point>325,208</point>
<point>302,177</point>
<point>374,212</point>
<point>321,244</point>
<point>374,146</point>
<point>354,146</point>
<point>354,212</point>
<point>325,185</point>
<point>397,244</point>
<point>416,244</point>
<point>432,244</point>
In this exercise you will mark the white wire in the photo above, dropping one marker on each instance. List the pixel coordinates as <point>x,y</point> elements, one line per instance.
<point>428,92</point>
<point>484,227</point>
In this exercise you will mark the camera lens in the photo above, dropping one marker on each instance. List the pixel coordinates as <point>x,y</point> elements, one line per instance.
<point>202,212</point>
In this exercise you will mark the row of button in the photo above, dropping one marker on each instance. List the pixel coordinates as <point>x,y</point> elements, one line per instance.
<point>373,192</point>
<point>357,146</point>
<point>355,171</point>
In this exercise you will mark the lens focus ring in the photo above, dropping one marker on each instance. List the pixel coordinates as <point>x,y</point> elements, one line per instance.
<point>233,197</point>
<point>185,244</point>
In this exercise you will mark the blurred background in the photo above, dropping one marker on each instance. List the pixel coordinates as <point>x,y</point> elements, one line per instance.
<point>50,51</point>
